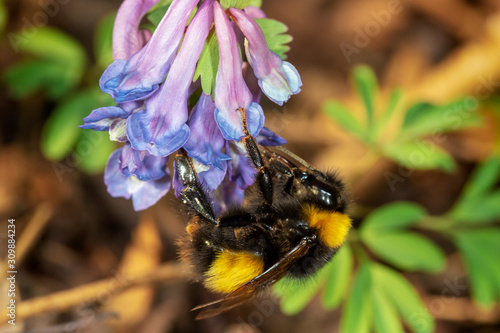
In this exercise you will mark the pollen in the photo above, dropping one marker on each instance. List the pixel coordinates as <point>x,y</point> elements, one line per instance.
<point>230,270</point>
<point>332,227</point>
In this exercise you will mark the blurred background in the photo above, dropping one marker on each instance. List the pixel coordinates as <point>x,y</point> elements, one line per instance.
<point>413,131</point>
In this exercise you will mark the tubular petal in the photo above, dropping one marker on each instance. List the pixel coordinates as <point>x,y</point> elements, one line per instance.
<point>231,92</point>
<point>139,77</point>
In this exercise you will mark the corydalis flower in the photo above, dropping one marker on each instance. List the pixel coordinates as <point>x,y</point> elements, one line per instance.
<point>144,193</point>
<point>127,38</point>
<point>233,99</point>
<point>278,79</point>
<point>161,127</point>
<point>140,76</point>
<point>151,80</point>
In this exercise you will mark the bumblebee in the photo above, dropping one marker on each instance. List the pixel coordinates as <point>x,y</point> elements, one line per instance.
<point>292,222</point>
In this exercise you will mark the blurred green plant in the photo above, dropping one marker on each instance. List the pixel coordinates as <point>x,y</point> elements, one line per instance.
<point>374,296</point>
<point>3,15</point>
<point>422,124</point>
<point>57,65</point>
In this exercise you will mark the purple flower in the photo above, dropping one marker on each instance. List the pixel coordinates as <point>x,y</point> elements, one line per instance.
<point>241,171</point>
<point>210,176</point>
<point>161,127</point>
<point>144,194</point>
<point>142,164</point>
<point>111,118</point>
<point>205,140</point>
<point>255,12</point>
<point>151,79</point>
<point>278,79</point>
<point>102,118</point>
<point>127,39</point>
<point>139,77</point>
<point>267,137</point>
<point>232,96</point>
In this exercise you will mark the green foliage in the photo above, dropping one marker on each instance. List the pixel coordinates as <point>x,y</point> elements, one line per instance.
<point>208,64</point>
<point>366,86</point>
<point>334,277</point>
<point>255,3</point>
<point>406,250</point>
<point>480,250</point>
<point>384,233</point>
<point>296,294</point>
<point>3,15</point>
<point>345,118</point>
<point>357,314</point>
<point>423,125</point>
<point>103,41</point>
<point>57,67</point>
<point>403,297</point>
<point>382,298</point>
<point>480,202</point>
<point>240,4</point>
<point>55,63</point>
<point>158,11</point>
<point>275,34</point>
<point>340,272</point>
<point>61,132</point>
<point>419,154</point>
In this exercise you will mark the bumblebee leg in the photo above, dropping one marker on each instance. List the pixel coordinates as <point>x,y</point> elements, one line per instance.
<point>263,177</point>
<point>193,194</point>
<point>281,168</point>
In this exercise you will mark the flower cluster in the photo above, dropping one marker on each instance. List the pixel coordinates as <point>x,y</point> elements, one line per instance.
<point>151,80</point>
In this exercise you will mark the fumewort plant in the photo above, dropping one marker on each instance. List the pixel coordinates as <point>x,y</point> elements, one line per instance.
<point>187,84</point>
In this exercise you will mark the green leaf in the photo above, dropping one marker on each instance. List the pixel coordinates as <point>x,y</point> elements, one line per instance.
<point>385,315</point>
<point>480,250</point>
<point>394,215</point>
<point>95,151</point>
<point>29,76</point>
<point>103,41</point>
<point>3,15</point>
<point>54,44</point>
<point>296,294</point>
<point>240,4</point>
<point>158,11</point>
<point>477,204</point>
<point>421,155</point>
<point>423,119</point>
<point>357,311</point>
<point>343,116</point>
<point>255,3</point>
<point>340,272</point>
<point>392,105</point>
<point>58,69</point>
<point>405,298</point>
<point>61,132</point>
<point>406,250</point>
<point>208,65</point>
<point>483,178</point>
<point>478,210</point>
<point>365,82</point>
<point>274,32</point>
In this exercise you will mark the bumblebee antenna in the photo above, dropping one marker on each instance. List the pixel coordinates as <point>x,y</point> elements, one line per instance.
<point>297,158</point>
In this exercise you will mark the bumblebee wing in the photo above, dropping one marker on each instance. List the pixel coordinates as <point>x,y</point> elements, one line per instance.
<point>249,289</point>
<point>226,304</point>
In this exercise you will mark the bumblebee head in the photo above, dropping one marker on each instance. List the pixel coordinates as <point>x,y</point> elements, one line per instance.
<point>323,190</point>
